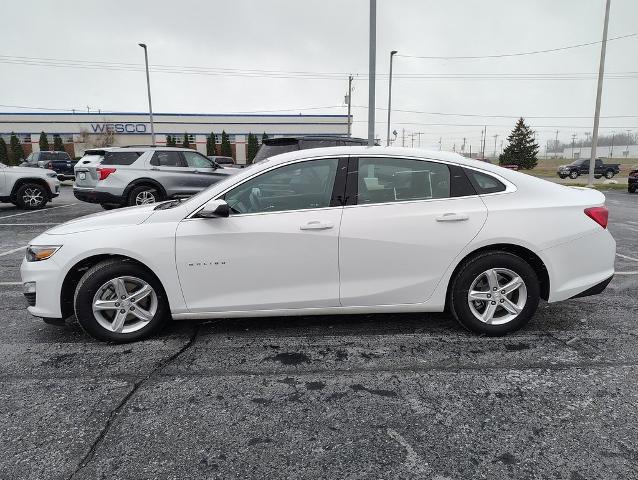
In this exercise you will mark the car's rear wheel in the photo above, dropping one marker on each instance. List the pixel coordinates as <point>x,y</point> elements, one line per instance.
<point>143,195</point>
<point>573,174</point>
<point>31,196</point>
<point>494,293</point>
<point>120,301</point>
<point>609,174</point>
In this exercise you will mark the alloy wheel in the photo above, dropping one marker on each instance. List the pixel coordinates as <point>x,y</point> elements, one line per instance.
<point>124,304</point>
<point>497,296</point>
<point>145,197</point>
<point>32,197</point>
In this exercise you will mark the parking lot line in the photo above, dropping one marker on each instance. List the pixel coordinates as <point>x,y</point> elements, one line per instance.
<point>626,257</point>
<point>37,211</point>
<point>9,284</point>
<point>626,273</point>
<point>12,251</point>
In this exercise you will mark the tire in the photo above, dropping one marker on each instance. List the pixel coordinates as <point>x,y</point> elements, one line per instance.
<point>120,320</point>
<point>107,206</point>
<point>473,275</point>
<point>609,174</point>
<point>573,174</point>
<point>631,189</point>
<point>598,176</point>
<point>31,196</point>
<point>563,177</point>
<point>143,195</point>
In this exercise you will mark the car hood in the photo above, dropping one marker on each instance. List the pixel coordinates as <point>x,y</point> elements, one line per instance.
<point>98,221</point>
<point>25,170</point>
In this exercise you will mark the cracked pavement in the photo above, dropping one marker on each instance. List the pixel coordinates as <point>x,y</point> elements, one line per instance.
<point>365,396</point>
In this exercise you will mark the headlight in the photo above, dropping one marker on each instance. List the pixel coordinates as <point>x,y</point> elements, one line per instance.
<point>37,253</point>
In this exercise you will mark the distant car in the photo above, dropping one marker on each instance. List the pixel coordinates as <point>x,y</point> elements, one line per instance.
<point>581,167</point>
<point>275,146</point>
<point>223,161</point>
<point>126,176</point>
<point>60,162</point>
<point>27,187</point>
<point>632,181</point>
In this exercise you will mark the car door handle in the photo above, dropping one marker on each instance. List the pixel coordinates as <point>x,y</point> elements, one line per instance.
<point>452,217</point>
<point>316,225</point>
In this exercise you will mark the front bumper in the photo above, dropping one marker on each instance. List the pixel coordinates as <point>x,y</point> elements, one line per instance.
<point>45,300</point>
<point>91,196</point>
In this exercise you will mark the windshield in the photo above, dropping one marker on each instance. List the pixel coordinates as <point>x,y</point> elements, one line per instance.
<point>267,151</point>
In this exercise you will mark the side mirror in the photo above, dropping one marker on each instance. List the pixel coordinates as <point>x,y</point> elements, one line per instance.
<point>214,209</point>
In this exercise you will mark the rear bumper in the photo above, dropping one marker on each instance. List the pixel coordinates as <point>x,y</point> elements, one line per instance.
<point>91,196</point>
<point>581,267</point>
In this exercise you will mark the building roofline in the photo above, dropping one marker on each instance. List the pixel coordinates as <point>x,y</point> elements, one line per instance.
<point>87,114</point>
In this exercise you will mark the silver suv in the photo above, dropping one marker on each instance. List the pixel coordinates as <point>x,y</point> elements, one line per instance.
<point>121,176</point>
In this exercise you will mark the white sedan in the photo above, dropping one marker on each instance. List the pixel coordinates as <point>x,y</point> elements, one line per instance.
<point>329,231</point>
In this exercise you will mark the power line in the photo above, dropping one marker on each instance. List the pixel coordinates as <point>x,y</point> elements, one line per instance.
<point>516,54</point>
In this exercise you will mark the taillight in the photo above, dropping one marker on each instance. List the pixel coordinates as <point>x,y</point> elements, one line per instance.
<point>600,215</point>
<point>104,172</point>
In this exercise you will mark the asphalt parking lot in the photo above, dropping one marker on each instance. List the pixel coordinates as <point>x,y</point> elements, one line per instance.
<point>374,396</point>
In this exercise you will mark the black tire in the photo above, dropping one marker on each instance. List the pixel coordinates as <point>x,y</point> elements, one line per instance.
<point>598,176</point>
<point>470,270</point>
<point>31,196</point>
<point>94,279</point>
<point>107,206</point>
<point>141,191</point>
<point>609,174</point>
<point>573,174</point>
<point>563,177</point>
<point>631,189</point>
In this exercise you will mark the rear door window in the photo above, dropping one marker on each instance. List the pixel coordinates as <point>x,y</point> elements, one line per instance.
<point>168,159</point>
<point>120,158</point>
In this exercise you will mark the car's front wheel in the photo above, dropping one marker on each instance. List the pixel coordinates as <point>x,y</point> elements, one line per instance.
<point>31,196</point>
<point>609,174</point>
<point>631,189</point>
<point>573,174</point>
<point>120,301</point>
<point>494,293</point>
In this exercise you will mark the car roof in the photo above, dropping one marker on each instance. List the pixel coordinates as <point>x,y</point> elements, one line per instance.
<point>274,141</point>
<point>133,148</point>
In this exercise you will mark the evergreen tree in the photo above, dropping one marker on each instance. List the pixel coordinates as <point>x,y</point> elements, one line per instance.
<point>521,149</point>
<point>4,157</point>
<point>264,137</point>
<point>185,143</point>
<point>210,145</point>
<point>44,142</point>
<point>17,152</point>
<point>226,150</point>
<point>58,146</point>
<point>251,148</point>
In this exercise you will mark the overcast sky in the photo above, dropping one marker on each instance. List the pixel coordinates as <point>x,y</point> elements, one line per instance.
<point>330,39</point>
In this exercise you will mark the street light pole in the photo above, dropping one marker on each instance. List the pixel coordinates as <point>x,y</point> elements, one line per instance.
<point>372,64</point>
<point>599,92</point>
<point>349,104</point>
<point>392,53</point>
<point>148,87</point>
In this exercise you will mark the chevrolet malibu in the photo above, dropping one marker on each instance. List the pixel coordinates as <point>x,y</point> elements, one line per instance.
<point>329,231</point>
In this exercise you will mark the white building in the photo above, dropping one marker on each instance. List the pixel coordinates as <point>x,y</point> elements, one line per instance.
<point>80,131</point>
<point>617,151</point>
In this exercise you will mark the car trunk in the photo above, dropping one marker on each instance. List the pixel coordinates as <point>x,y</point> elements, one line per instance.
<point>86,175</point>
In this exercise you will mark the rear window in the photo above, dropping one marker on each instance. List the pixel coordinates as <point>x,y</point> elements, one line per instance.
<point>120,158</point>
<point>484,183</point>
<point>54,156</point>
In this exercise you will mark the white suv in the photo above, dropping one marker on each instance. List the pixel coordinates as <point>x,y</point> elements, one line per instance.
<point>27,187</point>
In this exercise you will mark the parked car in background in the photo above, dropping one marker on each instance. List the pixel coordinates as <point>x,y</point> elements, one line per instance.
<point>275,146</point>
<point>224,161</point>
<point>125,176</point>
<point>29,188</point>
<point>60,162</point>
<point>632,181</point>
<point>581,167</point>
<point>329,231</point>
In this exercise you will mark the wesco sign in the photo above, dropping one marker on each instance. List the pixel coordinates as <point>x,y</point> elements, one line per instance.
<point>118,127</point>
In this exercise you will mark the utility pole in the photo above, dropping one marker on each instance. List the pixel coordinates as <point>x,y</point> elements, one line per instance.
<point>599,92</point>
<point>495,138</point>
<point>148,87</point>
<point>372,64</point>
<point>611,150</point>
<point>481,142</point>
<point>392,54</point>
<point>349,105</point>
<point>419,135</point>
<point>412,139</point>
<point>573,140</point>
<point>628,138</point>
<point>470,150</point>
<point>463,146</point>
<point>484,140</point>
<point>403,137</point>
<point>556,144</point>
